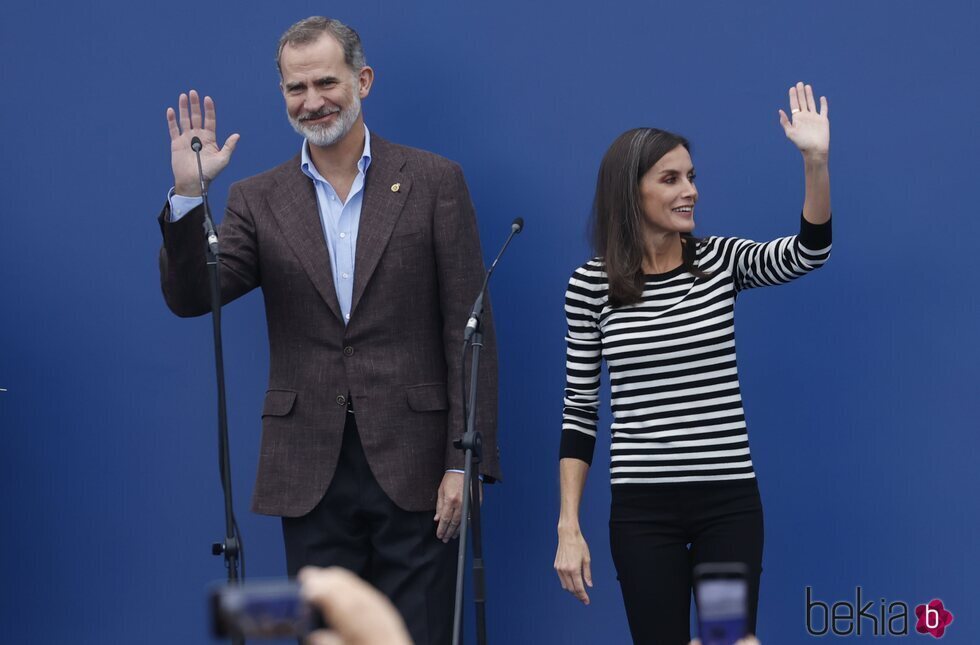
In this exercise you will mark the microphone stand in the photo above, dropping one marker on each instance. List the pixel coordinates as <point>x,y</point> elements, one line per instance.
<point>472,446</point>
<point>232,547</point>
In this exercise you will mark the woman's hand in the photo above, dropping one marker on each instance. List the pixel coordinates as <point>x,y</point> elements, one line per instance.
<point>573,562</point>
<point>808,129</point>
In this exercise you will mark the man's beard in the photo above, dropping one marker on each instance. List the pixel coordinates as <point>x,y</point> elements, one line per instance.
<point>326,135</point>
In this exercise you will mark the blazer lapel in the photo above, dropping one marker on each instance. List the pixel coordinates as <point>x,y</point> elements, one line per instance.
<point>293,203</point>
<point>385,190</point>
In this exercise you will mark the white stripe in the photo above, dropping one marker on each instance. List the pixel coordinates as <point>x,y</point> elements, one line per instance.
<point>672,324</point>
<point>659,369</point>
<point>692,418</point>
<point>678,469</point>
<point>704,442</point>
<point>591,433</point>
<point>619,443</point>
<point>690,378</point>
<point>738,452</point>
<point>673,394</point>
<point>668,480</point>
<point>660,409</point>
<point>667,356</point>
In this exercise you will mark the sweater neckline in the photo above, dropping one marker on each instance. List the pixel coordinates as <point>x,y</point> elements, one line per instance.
<point>656,277</point>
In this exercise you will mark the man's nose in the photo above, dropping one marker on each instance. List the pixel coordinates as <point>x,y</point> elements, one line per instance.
<point>312,101</point>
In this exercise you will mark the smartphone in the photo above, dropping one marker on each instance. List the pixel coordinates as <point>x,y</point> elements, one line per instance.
<point>261,609</point>
<point>721,594</point>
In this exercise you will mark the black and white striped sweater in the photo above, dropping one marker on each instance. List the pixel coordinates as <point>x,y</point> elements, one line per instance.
<point>677,408</point>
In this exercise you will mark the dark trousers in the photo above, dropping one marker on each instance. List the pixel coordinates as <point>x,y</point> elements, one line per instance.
<point>658,533</point>
<point>356,526</point>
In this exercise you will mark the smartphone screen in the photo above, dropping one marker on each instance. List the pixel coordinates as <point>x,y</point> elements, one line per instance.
<point>721,593</point>
<point>264,609</point>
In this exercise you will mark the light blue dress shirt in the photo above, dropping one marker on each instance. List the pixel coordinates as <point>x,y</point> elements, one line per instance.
<point>340,218</point>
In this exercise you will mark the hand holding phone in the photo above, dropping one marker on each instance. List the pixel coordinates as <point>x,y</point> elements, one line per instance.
<point>721,595</point>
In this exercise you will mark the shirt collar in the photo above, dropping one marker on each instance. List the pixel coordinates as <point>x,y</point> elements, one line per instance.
<point>306,164</point>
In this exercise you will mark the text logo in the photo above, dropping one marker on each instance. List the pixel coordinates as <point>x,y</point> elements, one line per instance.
<point>881,618</point>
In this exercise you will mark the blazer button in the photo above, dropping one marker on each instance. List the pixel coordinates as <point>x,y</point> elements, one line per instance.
<point>348,351</point>
<point>341,399</point>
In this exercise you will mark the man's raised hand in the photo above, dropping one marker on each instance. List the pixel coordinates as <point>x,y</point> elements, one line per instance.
<point>193,124</point>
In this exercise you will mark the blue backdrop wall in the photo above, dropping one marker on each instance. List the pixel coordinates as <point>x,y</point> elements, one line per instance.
<point>860,381</point>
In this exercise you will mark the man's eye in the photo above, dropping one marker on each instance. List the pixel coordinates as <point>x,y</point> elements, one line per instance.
<point>669,180</point>
<point>692,177</point>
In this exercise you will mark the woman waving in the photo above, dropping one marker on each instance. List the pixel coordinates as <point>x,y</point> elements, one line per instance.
<point>657,304</point>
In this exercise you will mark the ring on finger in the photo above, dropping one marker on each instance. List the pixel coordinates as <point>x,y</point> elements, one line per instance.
<point>795,110</point>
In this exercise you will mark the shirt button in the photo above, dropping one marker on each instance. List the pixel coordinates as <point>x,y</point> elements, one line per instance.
<point>341,399</point>
<point>343,235</point>
<point>348,351</point>
<point>347,316</point>
<point>345,275</point>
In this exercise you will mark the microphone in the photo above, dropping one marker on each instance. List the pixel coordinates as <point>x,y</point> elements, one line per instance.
<point>474,322</point>
<point>209,232</point>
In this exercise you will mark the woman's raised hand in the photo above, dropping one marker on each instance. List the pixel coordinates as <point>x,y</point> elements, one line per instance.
<point>807,128</point>
<point>203,126</point>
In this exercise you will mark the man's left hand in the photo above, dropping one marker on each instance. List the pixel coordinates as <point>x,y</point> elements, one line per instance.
<point>449,506</point>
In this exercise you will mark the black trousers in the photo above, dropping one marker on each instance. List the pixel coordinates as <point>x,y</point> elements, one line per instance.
<point>659,532</point>
<point>356,526</point>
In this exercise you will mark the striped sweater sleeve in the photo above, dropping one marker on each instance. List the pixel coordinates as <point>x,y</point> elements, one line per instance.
<point>583,304</point>
<point>762,264</point>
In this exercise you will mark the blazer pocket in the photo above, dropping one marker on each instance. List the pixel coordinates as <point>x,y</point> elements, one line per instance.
<point>278,403</point>
<point>429,397</point>
<point>404,239</point>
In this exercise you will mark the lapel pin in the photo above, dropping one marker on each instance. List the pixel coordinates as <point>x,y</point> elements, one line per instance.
<point>395,188</point>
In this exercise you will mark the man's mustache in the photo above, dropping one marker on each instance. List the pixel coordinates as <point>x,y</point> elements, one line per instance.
<point>319,114</point>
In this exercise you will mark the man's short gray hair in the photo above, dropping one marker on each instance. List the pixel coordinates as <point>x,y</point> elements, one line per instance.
<point>310,29</point>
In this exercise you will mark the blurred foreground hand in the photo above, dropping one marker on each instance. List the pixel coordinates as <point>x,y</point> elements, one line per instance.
<point>356,612</point>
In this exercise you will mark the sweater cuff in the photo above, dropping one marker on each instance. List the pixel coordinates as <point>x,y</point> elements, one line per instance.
<point>815,236</point>
<point>577,445</point>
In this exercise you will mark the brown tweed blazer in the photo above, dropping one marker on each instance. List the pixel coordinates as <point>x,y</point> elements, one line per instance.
<point>418,269</point>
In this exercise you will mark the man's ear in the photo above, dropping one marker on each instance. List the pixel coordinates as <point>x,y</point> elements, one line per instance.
<point>365,79</point>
